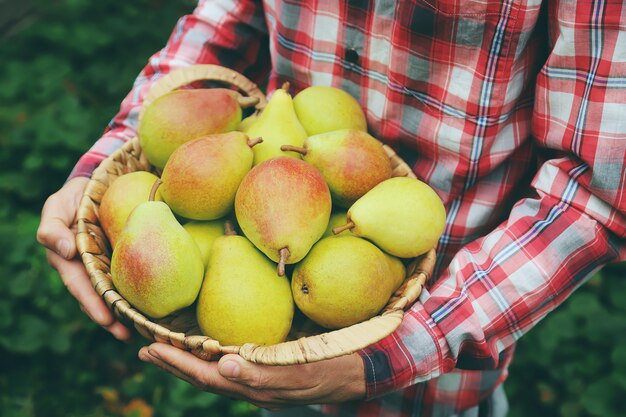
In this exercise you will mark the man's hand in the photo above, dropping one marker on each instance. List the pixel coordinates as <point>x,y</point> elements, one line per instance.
<point>57,233</point>
<point>272,387</point>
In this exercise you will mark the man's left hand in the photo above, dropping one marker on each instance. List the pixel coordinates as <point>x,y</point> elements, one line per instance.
<point>272,387</point>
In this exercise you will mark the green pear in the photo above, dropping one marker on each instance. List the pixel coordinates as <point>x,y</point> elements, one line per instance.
<point>204,234</point>
<point>402,216</point>
<point>202,176</point>
<point>351,161</point>
<point>156,266</point>
<point>183,115</point>
<point>124,194</point>
<point>283,206</point>
<point>342,281</point>
<point>242,299</point>
<point>337,219</point>
<point>278,125</point>
<point>322,109</point>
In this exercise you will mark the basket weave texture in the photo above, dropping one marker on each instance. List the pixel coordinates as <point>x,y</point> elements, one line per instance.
<point>307,342</point>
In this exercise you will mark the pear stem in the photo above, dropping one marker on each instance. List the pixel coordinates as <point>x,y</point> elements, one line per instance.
<point>285,86</point>
<point>347,226</point>
<point>229,228</point>
<point>154,189</point>
<point>290,148</point>
<point>284,255</point>
<point>252,142</point>
<point>245,101</point>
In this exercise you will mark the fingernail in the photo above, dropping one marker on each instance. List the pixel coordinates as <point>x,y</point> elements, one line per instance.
<point>153,353</point>
<point>63,248</point>
<point>143,355</point>
<point>230,369</point>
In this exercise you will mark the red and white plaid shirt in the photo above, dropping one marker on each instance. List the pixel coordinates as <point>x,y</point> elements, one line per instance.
<point>514,111</point>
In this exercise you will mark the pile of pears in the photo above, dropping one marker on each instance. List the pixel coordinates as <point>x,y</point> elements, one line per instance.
<point>294,204</point>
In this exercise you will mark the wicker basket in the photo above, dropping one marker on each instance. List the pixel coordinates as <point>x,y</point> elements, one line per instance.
<point>307,342</point>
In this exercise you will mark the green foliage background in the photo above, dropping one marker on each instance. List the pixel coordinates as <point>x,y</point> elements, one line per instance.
<point>62,75</point>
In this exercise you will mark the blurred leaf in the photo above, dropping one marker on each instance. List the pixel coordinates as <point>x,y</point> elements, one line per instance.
<point>33,334</point>
<point>570,409</point>
<point>598,398</point>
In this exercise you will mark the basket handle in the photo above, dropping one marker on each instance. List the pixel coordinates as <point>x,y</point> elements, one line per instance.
<point>204,72</point>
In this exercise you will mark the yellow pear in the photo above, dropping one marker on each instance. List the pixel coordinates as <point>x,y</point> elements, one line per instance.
<point>120,199</point>
<point>342,281</point>
<point>204,234</point>
<point>322,109</point>
<point>337,219</point>
<point>247,122</point>
<point>156,266</point>
<point>183,115</point>
<point>402,216</point>
<point>202,176</point>
<point>398,270</point>
<point>242,299</point>
<point>277,125</point>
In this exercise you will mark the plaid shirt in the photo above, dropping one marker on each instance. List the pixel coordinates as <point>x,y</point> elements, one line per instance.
<point>513,111</point>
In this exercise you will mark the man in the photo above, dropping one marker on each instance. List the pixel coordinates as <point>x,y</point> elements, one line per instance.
<point>510,110</point>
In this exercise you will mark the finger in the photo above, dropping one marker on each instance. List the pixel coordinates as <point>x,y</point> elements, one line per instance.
<point>145,356</point>
<point>196,371</point>
<point>55,235</point>
<point>235,368</point>
<point>54,230</point>
<point>57,217</point>
<point>119,331</point>
<point>76,280</point>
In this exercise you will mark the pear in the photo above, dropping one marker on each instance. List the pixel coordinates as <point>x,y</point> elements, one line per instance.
<point>183,115</point>
<point>278,125</point>
<point>247,122</point>
<point>342,281</point>
<point>124,194</point>
<point>242,299</point>
<point>204,234</point>
<point>351,161</point>
<point>202,176</point>
<point>156,266</point>
<point>322,109</point>
<point>398,270</point>
<point>402,216</point>
<point>337,219</point>
<point>283,206</point>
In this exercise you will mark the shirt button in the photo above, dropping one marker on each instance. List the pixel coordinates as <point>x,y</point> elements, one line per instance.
<point>352,55</point>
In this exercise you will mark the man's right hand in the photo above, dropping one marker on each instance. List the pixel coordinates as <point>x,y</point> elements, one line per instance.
<point>58,234</point>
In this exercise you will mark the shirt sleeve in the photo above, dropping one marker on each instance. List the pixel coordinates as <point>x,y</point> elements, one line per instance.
<point>227,33</point>
<point>498,287</point>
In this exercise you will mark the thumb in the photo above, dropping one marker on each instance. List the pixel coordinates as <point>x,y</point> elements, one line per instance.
<point>55,235</point>
<point>235,368</point>
<point>57,216</point>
